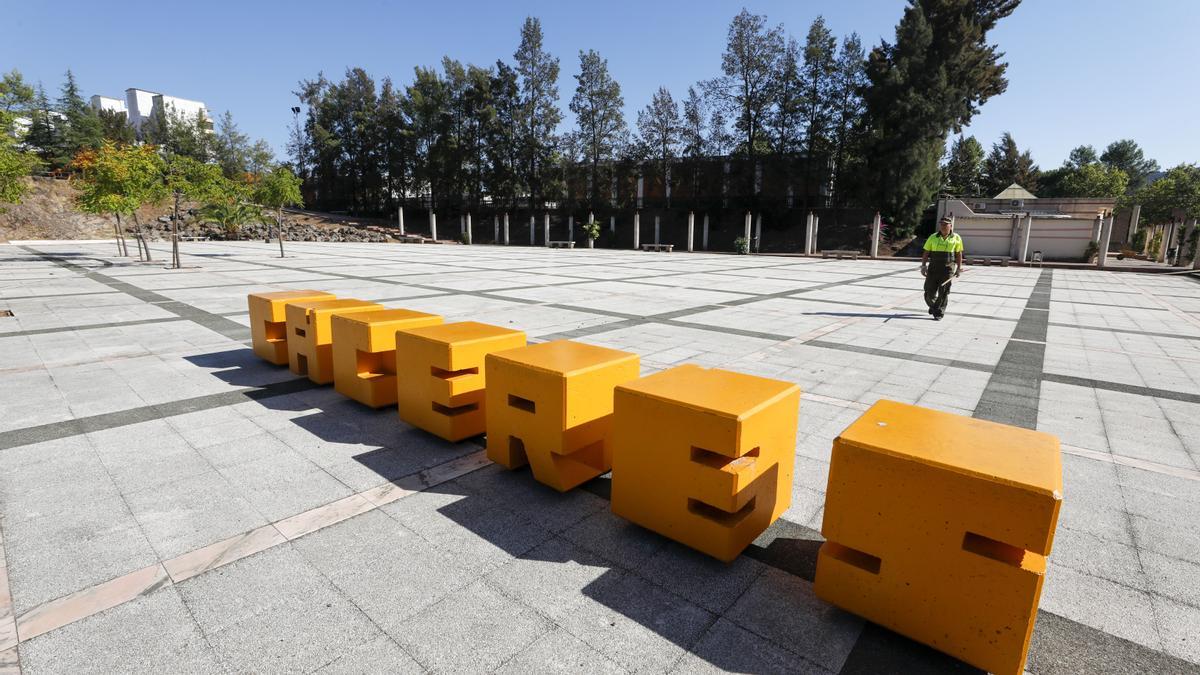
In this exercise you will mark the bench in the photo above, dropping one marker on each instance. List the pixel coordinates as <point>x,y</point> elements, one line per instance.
<point>410,239</point>
<point>852,255</point>
<point>193,239</point>
<point>562,244</point>
<point>658,247</point>
<point>988,260</point>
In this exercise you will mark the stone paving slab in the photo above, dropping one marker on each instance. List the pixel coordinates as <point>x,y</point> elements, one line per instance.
<point>138,427</point>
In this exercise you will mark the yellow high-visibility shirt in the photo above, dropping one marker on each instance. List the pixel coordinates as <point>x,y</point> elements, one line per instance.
<point>937,244</point>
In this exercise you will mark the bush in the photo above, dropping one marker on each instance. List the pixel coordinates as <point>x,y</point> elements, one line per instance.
<point>1090,252</point>
<point>592,230</point>
<point>741,245</point>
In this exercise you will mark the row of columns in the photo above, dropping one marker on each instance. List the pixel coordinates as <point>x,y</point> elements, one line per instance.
<point>812,225</point>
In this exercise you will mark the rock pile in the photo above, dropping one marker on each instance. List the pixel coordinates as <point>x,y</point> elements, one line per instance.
<point>192,226</point>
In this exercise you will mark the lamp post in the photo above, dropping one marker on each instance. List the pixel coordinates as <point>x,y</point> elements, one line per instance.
<point>175,232</point>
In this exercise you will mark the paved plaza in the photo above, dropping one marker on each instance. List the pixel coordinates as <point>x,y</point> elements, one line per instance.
<point>170,503</point>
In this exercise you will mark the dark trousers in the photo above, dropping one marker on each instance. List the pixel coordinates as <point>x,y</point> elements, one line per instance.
<point>937,293</point>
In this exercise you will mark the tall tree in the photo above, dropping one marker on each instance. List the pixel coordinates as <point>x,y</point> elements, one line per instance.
<point>691,137</point>
<point>1178,191</point>
<point>1082,156</point>
<point>231,148</point>
<point>818,80</point>
<point>395,148</point>
<point>847,118</point>
<point>1006,165</point>
<point>504,137</point>
<point>425,110</point>
<point>114,126</point>
<point>539,106</point>
<point>920,89</point>
<point>659,127</point>
<point>747,87</point>
<point>597,105</point>
<point>720,140</point>
<point>963,173</point>
<point>119,180</point>
<point>45,128</point>
<point>80,125</point>
<point>786,121</point>
<point>1127,156</point>
<point>15,95</point>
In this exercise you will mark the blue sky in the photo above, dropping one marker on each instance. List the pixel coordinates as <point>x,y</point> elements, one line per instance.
<point>1079,72</point>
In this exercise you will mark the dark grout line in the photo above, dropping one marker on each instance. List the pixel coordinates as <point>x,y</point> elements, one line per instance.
<point>89,326</point>
<point>1013,392</point>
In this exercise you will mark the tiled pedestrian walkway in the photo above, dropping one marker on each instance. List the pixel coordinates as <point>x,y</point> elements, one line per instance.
<point>170,503</point>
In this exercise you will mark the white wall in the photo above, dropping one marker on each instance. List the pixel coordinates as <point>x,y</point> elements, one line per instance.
<point>138,105</point>
<point>108,103</point>
<point>1058,238</point>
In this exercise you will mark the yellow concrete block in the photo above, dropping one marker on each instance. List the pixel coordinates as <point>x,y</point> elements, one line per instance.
<point>440,375</point>
<point>704,456</point>
<point>268,322</point>
<point>310,336</point>
<point>550,405</point>
<point>938,527</point>
<point>364,352</point>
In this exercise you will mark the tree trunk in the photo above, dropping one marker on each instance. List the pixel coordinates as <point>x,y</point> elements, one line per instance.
<point>142,237</point>
<point>121,250</point>
<point>279,232</point>
<point>175,235</point>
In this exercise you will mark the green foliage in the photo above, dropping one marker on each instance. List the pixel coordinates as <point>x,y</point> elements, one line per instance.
<point>963,172</point>
<point>741,245</point>
<point>195,180</point>
<point>114,126</point>
<point>279,188</point>
<point>659,126</point>
<point>1127,156</point>
<point>119,179</point>
<point>538,115</point>
<point>922,88</point>
<point>1006,165</point>
<point>231,215</point>
<point>597,105</point>
<point>1177,191</point>
<point>1090,180</point>
<point>1082,156</point>
<point>15,166</point>
<point>15,95</point>
<point>81,128</point>
<point>1139,240</point>
<point>592,230</point>
<point>230,147</point>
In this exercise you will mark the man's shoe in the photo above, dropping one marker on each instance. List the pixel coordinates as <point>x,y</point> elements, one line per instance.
<point>937,317</point>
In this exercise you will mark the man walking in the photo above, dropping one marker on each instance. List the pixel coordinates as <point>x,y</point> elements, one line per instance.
<point>941,260</point>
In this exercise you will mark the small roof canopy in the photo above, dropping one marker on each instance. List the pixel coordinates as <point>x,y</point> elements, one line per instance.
<point>1015,191</point>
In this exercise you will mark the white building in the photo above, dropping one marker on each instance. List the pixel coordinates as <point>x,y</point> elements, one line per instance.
<point>108,103</point>
<point>140,105</point>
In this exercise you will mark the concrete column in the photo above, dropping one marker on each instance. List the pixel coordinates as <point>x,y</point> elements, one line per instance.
<point>506,229</point>
<point>468,230</point>
<point>495,229</point>
<point>816,233</point>
<point>640,185</point>
<point>546,227</point>
<point>808,234</point>
<point>1096,227</point>
<point>656,231</point>
<point>691,229</point>
<point>1166,242</point>
<point>637,230</point>
<point>1133,223</point>
<point>462,227</point>
<point>433,225</point>
<point>400,220</point>
<point>532,238</point>
<point>1105,240</point>
<point>1025,237</point>
<point>875,226</point>
<point>612,224</point>
<point>746,230</point>
<point>1183,240</point>
<point>704,239</point>
<point>571,228</point>
<point>758,232</point>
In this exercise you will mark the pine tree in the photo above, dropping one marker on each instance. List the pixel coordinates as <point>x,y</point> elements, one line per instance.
<point>1006,165</point>
<point>691,138</point>
<point>43,138</point>
<point>114,127</point>
<point>597,105</point>
<point>504,136</point>
<point>747,88</point>
<point>231,148</point>
<point>963,173</point>
<point>847,119</point>
<point>659,127</point>
<point>1081,156</point>
<point>920,89</point>
<point>80,125</point>
<point>539,107</point>
<point>820,63</point>
<point>1128,157</point>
